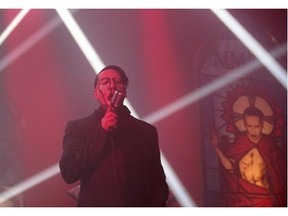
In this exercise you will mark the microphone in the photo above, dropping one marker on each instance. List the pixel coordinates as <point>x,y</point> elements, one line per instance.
<point>117,100</point>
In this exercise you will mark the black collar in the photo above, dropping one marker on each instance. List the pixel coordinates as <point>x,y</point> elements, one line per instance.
<point>122,112</point>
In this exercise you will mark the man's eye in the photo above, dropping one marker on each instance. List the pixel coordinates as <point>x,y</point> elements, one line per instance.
<point>105,82</point>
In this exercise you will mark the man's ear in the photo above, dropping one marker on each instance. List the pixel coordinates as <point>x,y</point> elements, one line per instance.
<point>125,91</point>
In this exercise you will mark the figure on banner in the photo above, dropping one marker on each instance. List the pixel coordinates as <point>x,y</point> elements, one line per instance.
<point>254,171</point>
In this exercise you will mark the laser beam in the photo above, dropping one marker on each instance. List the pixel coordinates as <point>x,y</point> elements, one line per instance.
<point>253,45</point>
<point>13,25</point>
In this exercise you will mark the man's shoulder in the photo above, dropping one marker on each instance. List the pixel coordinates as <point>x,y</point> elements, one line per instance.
<point>143,123</point>
<point>82,119</point>
<point>268,140</point>
<point>82,122</point>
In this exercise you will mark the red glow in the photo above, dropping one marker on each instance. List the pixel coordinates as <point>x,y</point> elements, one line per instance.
<point>34,86</point>
<point>163,71</point>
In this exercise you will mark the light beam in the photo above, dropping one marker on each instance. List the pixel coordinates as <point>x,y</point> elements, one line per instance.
<point>93,58</point>
<point>29,43</point>
<point>86,47</point>
<point>13,25</point>
<point>209,88</point>
<point>29,183</point>
<point>253,45</point>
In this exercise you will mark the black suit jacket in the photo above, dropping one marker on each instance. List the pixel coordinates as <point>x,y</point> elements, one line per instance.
<point>121,168</point>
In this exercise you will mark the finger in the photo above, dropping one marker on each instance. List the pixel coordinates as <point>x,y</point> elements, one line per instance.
<point>108,122</point>
<point>112,117</point>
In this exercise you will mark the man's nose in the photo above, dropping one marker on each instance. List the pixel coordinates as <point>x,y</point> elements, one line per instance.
<point>112,84</point>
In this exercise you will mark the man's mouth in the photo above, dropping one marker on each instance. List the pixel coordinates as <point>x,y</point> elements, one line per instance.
<point>110,97</point>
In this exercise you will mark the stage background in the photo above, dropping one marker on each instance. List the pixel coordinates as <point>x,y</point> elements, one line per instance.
<point>45,80</point>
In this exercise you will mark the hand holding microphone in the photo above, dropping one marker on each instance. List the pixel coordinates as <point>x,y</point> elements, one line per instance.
<point>109,121</point>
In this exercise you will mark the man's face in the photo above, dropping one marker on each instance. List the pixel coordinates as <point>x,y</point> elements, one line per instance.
<point>254,127</point>
<point>108,82</point>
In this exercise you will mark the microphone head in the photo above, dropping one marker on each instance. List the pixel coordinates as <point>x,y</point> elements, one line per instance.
<point>117,99</point>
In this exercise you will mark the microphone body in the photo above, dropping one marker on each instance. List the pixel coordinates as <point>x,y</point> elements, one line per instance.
<point>116,102</point>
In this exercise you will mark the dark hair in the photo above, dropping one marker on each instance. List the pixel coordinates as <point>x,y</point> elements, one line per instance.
<point>253,111</point>
<point>119,70</point>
